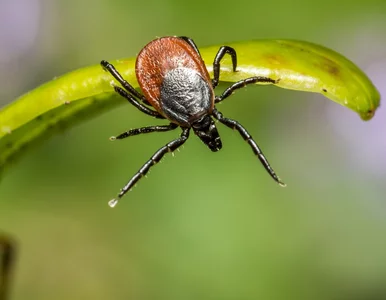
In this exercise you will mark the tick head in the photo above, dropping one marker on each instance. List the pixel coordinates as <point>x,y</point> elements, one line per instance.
<point>206,130</point>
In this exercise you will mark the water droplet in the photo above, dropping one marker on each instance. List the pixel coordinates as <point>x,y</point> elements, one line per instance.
<point>282,184</point>
<point>113,202</point>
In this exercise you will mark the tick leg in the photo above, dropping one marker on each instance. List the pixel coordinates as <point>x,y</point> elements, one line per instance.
<point>243,83</point>
<point>127,86</point>
<point>7,257</point>
<point>147,129</point>
<point>191,43</point>
<point>170,147</point>
<point>138,105</point>
<point>216,63</point>
<point>248,138</point>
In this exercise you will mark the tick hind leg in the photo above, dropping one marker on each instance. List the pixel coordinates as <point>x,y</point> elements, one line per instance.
<point>191,43</point>
<point>148,129</point>
<point>170,147</point>
<point>7,257</point>
<point>248,138</point>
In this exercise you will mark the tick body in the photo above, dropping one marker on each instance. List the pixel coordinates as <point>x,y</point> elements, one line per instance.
<point>176,86</point>
<point>173,78</point>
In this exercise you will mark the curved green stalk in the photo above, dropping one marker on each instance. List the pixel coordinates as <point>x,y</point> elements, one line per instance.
<point>87,92</point>
<point>7,260</point>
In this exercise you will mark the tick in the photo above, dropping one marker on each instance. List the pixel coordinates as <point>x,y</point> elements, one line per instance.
<point>176,86</point>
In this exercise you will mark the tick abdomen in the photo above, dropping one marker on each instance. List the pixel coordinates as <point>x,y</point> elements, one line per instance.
<point>185,96</point>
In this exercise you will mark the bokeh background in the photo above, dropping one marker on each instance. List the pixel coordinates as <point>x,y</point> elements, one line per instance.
<point>203,225</point>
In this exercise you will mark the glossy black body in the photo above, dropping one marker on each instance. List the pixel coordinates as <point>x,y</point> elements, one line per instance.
<point>185,96</point>
<point>176,84</point>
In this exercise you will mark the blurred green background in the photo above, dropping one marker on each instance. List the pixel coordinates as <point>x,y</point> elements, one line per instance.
<point>203,225</point>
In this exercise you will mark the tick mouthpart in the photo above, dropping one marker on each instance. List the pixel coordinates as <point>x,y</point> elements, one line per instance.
<point>206,130</point>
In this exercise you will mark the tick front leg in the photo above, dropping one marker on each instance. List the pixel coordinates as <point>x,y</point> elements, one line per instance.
<point>128,87</point>
<point>170,147</point>
<point>138,105</point>
<point>148,129</point>
<point>248,138</point>
<point>243,83</point>
<point>216,63</point>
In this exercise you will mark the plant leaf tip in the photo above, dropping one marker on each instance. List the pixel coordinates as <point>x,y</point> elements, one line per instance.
<point>368,115</point>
